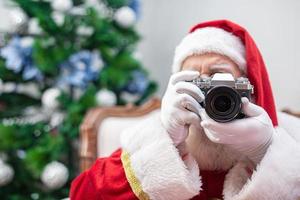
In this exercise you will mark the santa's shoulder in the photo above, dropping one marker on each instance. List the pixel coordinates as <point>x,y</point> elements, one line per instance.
<point>290,124</point>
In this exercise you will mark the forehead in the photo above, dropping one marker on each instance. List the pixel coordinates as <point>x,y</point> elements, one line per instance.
<point>206,60</point>
<point>211,63</point>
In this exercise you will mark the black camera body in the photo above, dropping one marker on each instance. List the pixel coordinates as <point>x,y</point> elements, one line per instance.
<point>223,95</point>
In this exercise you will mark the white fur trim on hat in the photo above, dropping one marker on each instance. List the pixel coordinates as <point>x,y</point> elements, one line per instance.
<point>210,40</point>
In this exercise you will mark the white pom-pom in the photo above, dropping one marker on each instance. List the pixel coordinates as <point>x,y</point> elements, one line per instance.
<point>62,5</point>
<point>34,27</point>
<point>106,97</point>
<point>6,173</point>
<point>125,17</point>
<point>49,98</point>
<point>54,175</point>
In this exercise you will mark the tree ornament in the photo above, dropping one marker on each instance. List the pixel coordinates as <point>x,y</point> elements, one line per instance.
<point>54,175</point>
<point>18,58</point>
<point>106,97</point>
<point>6,173</point>
<point>130,97</point>
<point>136,7</point>
<point>16,18</point>
<point>58,17</point>
<point>80,69</point>
<point>138,55</point>
<point>125,17</point>
<point>29,89</point>
<point>7,87</point>
<point>34,27</point>
<point>3,157</point>
<point>62,5</point>
<point>138,83</point>
<point>1,86</point>
<point>56,119</point>
<point>85,31</point>
<point>21,154</point>
<point>30,115</point>
<point>99,6</point>
<point>49,98</point>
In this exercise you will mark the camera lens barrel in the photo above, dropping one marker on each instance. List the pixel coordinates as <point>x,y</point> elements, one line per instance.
<point>223,103</point>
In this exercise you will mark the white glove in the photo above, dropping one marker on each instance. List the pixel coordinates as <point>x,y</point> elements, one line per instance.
<point>250,136</point>
<point>180,105</point>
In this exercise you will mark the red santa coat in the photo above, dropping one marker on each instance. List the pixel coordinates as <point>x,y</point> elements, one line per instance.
<point>148,165</point>
<point>107,180</point>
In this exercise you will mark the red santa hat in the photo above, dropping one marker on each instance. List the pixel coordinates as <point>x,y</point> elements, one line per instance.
<point>227,38</point>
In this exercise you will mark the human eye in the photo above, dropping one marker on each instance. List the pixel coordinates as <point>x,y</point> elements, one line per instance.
<point>220,68</point>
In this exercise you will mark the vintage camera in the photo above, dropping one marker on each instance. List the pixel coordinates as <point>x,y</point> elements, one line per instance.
<point>223,95</point>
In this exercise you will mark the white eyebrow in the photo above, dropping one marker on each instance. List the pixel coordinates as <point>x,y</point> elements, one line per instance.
<point>220,64</point>
<point>223,67</point>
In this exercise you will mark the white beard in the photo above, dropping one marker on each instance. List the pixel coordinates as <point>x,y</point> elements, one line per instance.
<point>209,155</point>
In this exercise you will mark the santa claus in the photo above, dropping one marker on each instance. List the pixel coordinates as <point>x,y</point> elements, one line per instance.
<point>182,153</point>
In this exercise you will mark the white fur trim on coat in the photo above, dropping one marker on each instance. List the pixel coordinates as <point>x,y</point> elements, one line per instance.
<point>210,40</point>
<point>277,177</point>
<point>157,164</point>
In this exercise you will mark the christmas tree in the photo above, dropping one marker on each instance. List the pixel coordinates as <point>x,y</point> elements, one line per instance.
<point>63,58</point>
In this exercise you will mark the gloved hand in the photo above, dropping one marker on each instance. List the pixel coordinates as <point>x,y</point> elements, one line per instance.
<point>180,105</point>
<point>250,136</point>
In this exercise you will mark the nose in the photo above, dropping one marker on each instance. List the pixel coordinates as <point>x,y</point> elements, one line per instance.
<point>205,72</point>
<point>204,75</point>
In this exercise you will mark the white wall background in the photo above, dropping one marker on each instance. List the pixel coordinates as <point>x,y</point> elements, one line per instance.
<point>275,26</point>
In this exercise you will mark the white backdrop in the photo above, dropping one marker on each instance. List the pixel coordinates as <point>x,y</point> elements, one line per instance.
<point>274,25</point>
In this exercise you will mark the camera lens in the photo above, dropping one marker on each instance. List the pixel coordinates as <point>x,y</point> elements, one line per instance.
<point>222,103</point>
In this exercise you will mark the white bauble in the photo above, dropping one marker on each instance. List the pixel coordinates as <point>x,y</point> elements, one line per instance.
<point>6,173</point>
<point>62,5</point>
<point>58,17</point>
<point>78,10</point>
<point>1,86</point>
<point>21,154</point>
<point>125,17</point>
<point>34,27</point>
<point>26,42</point>
<point>97,62</point>
<point>85,31</point>
<point>56,119</point>
<point>3,157</point>
<point>130,98</point>
<point>55,175</point>
<point>30,89</point>
<point>9,87</point>
<point>16,19</point>
<point>106,97</point>
<point>49,98</point>
<point>138,55</point>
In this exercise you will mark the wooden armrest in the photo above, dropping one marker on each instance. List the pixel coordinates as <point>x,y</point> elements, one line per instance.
<point>291,112</point>
<point>92,120</point>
